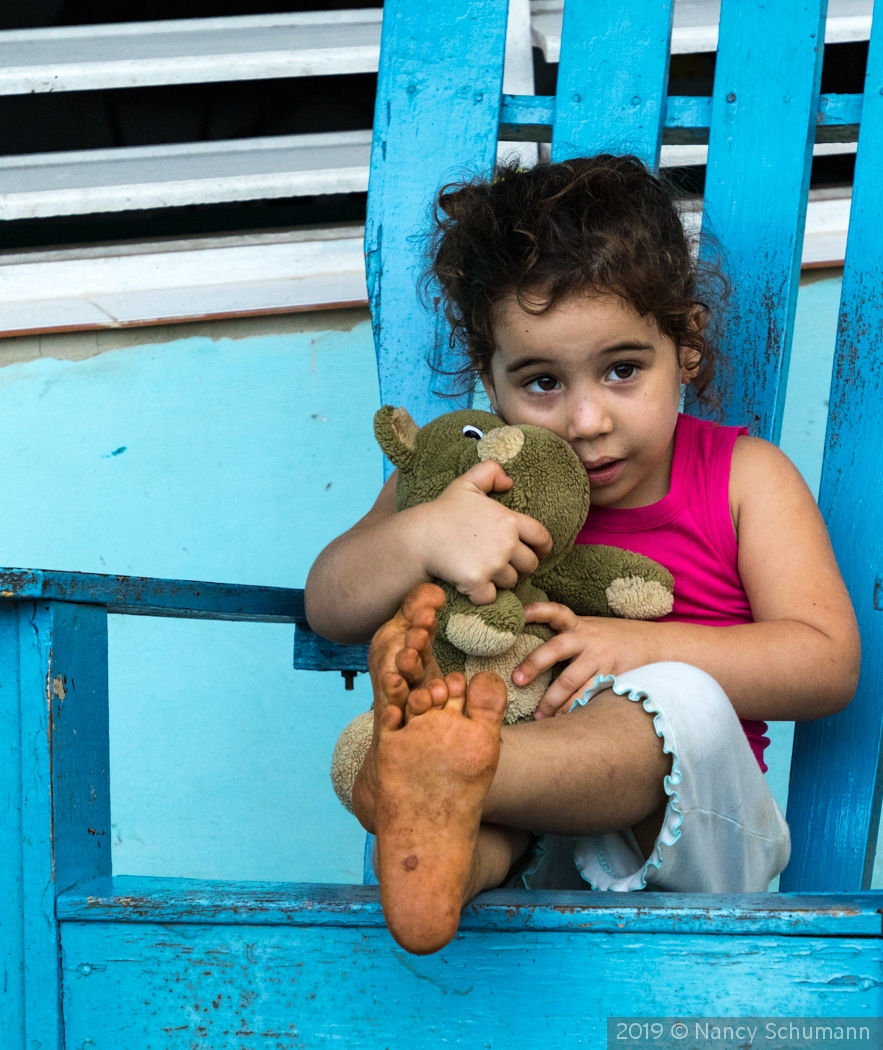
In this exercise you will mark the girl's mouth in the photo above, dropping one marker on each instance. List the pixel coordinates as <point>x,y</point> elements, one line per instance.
<point>605,473</point>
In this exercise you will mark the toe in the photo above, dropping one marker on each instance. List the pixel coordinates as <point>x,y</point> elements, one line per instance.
<point>433,694</point>
<point>418,639</point>
<point>486,697</point>
<point>419,702</point>
<point>423,597</point>
<point>456,688</point>
<point>393,691</point>
<point>438,689</point>
<point>410,664</point>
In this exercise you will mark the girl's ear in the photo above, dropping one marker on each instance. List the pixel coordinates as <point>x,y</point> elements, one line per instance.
<point>396,433</point>
<point>690,358</point>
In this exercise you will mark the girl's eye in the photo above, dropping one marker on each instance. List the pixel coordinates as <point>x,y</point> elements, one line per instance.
<point>545,384</point>
<point>623,371</point>
<point>472,432</point>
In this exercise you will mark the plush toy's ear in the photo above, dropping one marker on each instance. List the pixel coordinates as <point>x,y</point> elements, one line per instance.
<point>396,434</point>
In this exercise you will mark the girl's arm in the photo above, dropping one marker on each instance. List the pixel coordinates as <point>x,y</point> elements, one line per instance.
<point>472,542</point>
<point>798,660</point>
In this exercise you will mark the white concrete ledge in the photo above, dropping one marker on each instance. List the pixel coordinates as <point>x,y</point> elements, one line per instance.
<point>189,51</point>
<point>696,22</point>
<point>78,182</point>
<point>690,156</point>
<point>120,285</point>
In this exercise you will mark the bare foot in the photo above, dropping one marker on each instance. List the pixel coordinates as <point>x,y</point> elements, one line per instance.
<point>400,659</point>
<point>436,755</point>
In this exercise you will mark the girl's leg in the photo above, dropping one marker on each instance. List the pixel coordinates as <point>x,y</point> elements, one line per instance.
<point>597,769</point>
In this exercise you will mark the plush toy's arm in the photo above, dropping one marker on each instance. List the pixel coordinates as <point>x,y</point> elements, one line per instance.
<point>596,580</point>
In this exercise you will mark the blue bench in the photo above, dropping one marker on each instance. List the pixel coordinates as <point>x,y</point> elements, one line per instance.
<point>100,963</point>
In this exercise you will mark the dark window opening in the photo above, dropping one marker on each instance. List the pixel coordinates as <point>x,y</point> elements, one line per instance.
<point>30,14</point>
<point>191,221</point>
<point>75,120</point>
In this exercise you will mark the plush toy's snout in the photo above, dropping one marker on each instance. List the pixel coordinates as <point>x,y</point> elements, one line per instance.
<point>501,445</point>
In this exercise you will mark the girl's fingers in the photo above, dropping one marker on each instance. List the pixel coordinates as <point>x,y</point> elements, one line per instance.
<point>562,692</point>
<point>506,578</point>
<point>524,560</point>
<point>556,650</point>
<point>481,594</point>
<point>487,477</point>
<point>558,617</point>
<point>535,535</point>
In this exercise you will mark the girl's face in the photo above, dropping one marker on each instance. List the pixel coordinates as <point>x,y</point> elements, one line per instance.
<point>605,379</point>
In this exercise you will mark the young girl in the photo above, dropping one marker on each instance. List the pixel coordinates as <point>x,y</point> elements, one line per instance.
<point>574,294</point>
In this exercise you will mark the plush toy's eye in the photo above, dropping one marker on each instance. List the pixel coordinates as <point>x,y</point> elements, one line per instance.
<point>472,432</point>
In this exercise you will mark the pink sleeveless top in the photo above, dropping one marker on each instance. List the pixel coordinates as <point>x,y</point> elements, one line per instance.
<point>690,532</point>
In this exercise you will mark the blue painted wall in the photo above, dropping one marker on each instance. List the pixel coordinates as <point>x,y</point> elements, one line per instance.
<point>217,459</point>
<point>234,452</point>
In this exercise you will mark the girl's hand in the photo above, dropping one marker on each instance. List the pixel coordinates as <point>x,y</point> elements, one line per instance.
<point>475,543</point>
<point>592,645</point>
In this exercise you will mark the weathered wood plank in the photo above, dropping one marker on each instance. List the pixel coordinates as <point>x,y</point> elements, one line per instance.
<point>435,122</point>
<point>612,79</point>
<point>39,951</point>
<point>766,98</point>
<point>834,801</point>
<point>146,596</point>
<point>132,986</point>
<point>12,976</point>
<point>140,899</point>
<point>76,688</point>
<point>55,811</point>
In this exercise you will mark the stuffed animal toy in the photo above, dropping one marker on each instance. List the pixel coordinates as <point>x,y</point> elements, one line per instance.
<point>550,484</point>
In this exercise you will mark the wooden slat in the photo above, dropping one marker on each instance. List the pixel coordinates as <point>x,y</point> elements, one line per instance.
<point>189,51</point>
<point>612,79</point>
<point>533,116</point>
<point>433,123</point>
<point>12,826</point>
<point>766,98</point>
<point>55,812</point>
<point>79,182</point>
<point>139,899</point>
<point>145,596</point>
<point>834,800</point>
<point>162,985</point>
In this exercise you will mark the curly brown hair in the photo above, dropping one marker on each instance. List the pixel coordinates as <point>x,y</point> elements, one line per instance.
<point>591,225</point>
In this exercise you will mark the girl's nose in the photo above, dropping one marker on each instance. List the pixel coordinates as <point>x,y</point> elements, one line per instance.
<point>589,420</point>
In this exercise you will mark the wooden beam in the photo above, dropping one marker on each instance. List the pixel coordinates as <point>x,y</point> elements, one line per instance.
<point>145,596</point>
